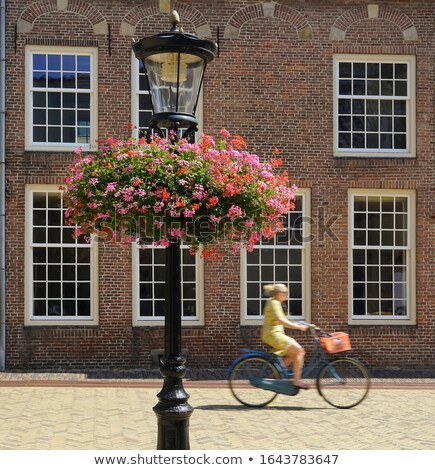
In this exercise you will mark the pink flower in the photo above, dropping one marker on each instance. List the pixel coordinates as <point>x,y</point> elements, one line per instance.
<point>158,206</point>
<point>111,187</point>
<point>234,211</point>
<point>215,219</point>
<point>188,213</point>
<point>199,192</point>
<point>175,232</point>
<point>164,242</point>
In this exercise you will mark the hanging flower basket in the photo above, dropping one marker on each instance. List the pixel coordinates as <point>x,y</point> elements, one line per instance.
<point>165,190</point>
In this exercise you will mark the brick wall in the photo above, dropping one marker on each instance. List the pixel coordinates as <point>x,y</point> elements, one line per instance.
<point>272,83</point>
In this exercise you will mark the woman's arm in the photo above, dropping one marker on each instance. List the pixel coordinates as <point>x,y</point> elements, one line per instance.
<point>293,325</point>
<point>280,316</point>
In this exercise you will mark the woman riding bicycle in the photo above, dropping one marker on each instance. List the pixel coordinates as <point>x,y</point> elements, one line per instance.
<point>273,334</point>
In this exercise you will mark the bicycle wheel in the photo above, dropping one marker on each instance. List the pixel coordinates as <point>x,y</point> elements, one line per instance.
<point>343,383</point>
<point>245,374</point>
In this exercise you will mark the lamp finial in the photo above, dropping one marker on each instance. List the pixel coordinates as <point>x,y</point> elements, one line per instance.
<point>175,20</point>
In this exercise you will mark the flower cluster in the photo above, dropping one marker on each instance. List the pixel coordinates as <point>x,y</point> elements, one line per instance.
<point>165,190</point>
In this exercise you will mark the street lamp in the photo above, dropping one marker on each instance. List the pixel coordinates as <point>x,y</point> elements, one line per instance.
<point>174,64</point>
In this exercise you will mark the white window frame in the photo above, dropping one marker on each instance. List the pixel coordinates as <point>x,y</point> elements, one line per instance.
<point>52,146</point>
<point>306,268</point>
<point>136,92</point>
<point>410,318</point>
<point>29,319</point>
<point>410,152</point>
<point>160,321</point>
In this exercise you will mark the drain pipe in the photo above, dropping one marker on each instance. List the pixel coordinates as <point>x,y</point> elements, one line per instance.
<point>2,186</point>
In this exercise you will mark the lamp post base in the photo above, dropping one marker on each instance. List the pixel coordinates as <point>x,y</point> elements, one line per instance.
<point>173,411</point>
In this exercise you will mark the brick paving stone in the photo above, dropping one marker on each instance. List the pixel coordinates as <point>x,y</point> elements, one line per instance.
<point>121,417</point>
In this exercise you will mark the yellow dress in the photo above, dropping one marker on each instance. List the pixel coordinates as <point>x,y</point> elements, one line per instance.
<point>272,332</point>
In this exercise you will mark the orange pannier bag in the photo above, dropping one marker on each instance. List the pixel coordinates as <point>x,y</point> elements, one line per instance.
<point>335,343</point>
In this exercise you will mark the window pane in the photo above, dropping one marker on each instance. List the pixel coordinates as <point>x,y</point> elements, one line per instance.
<point>400,88</point>
<point>84,81</point>
<point>358,123</point>
<point>372,123</point>
<point>83,100</point>
<point>345,87</point>
<point>359,87</point>
<point>387,71</point>
<point>387,87</point>
<point>39,116</point>
<point>69,80</point>
<point>84,63</point>
<point>69,117</point>
<point>400,141</point>
<point>401,71</point>
<point>372,87</point>
<point>69,100</point>
<point>39,99</point>
<point>39,79</point>
<point>400,108</point>
<point>372,106</point>
<point>345,70</point>
<point>344,140</point>
<point>344,106</point>
<point>386,108</point>
<point>54,117</point>
<point>69,63</point>
<point>386,141</point>
<point>69,134</point>
<point>39,62</point>
<point>54,80</point>
<point>359,70</point>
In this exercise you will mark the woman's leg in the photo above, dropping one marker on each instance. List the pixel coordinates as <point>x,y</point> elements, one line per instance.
<point>295,355</point>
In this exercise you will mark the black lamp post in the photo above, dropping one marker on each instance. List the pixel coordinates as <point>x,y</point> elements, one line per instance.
<point>174,64</point>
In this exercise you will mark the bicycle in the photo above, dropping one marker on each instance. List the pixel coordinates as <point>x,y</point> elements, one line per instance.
<point>257,377</point>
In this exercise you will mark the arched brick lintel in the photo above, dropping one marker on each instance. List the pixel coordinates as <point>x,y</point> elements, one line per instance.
<point>158,7</point>
<point>268,10</point>
<point>364,12</point>
<point>33,11</point>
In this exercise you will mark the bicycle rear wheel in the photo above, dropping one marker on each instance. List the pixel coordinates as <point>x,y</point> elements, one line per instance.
<point>343,383</point>
<point>245,374</point>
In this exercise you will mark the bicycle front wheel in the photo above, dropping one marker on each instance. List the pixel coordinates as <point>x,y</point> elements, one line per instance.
<point>246,374</point>
<point>343,383</point>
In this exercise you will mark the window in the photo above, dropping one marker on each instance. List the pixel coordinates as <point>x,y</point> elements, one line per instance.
<point>374,106</point>
<point>141,103</point>
<point>382,256</point>
<point>284,259</point>
<point>61,107</point>
<point>60,274</point>
<point>149,268</point>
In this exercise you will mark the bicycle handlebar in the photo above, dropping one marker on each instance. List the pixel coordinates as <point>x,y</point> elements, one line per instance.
<point>314,329</point>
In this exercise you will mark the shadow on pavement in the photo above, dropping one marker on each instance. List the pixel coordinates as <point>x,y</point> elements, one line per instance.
<point>245,408</point>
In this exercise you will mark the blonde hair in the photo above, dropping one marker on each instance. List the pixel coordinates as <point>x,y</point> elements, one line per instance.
<point>272,289</point>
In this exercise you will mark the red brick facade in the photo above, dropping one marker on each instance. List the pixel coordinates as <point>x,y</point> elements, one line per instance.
<point>272,83</point>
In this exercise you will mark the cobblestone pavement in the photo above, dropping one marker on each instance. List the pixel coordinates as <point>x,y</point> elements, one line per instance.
<point>117,414</point>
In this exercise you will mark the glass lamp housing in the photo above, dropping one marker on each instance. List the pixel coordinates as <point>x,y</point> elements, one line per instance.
<point>174,64</point>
